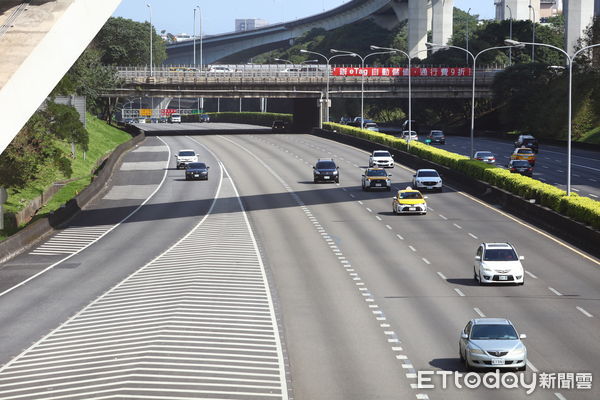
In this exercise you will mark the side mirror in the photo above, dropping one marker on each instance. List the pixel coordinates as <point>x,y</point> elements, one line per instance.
<point>414,176</point>
<point>363,175</point>
<point>207,167</point>
<point>478,258</point>
<point>521,258</point>
<point>464,336</point>
<point>522,336</point>
<point>390,175</point>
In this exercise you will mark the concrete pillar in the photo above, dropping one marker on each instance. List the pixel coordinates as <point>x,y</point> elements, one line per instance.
<point>579,14</point>
<point>417,26</point>
<point>442,20</point>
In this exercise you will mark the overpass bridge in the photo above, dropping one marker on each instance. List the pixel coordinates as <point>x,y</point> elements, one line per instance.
<point>307,89</point>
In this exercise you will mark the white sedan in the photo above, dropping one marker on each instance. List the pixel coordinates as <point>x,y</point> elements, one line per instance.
<point>427,179</point>
<point>382,159</point>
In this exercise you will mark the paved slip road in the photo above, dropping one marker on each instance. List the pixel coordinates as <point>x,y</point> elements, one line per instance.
<point>551,162</point>
<point>356,301</point>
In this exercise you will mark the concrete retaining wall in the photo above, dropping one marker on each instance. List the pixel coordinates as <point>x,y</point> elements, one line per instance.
<point>576,233</point>
<point>41,228</point>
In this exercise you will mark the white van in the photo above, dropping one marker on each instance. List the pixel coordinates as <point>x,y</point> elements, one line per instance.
<point>175,118</point>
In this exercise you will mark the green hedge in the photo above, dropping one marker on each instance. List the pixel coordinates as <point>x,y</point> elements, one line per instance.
<point>253,118</point>
<point>582,209</point>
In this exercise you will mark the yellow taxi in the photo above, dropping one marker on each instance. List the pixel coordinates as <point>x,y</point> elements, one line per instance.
<point>409,201</point>
<point>524,153</point>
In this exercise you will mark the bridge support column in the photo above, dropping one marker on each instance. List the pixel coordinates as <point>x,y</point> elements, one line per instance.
<point>579,16</point>
<point>417,27</point>
<point>442,21</point>
<point>306,114</point>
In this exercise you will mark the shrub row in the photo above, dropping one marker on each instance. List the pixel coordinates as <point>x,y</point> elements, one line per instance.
<point>582,209</point>
<point>254,118</point>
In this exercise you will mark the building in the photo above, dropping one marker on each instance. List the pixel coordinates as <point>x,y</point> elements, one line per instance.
<point>249,24</point>
<point>550,8</point>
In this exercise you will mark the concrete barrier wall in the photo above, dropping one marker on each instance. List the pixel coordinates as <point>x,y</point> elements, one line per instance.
<point>43,227</point>
<point>576,233</point>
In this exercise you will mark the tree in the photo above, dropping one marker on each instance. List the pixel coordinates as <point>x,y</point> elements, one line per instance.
<point>124,42</point>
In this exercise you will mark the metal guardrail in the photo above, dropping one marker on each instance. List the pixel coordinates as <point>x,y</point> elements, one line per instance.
<point>13,17</point>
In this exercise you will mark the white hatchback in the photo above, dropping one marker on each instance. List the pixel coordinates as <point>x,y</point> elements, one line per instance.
<point>498,263</point>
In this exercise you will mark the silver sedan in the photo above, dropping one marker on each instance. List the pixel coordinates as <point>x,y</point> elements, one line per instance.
<point>492,343</point>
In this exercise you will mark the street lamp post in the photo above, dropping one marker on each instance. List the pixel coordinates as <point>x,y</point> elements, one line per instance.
<point>570,60</point>
<point>327,72</point>
<point>510,35</point>
<point>474,58</point>
<point>409,88</point>
<point>362,74</point>
<point>532,33</point>
<point>467,41</point>
<point>194,35</point>
<point>151,34</point>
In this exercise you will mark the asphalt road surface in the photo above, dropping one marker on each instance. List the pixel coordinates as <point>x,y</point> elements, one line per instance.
<point>551,162</point>
<point>260,284</point>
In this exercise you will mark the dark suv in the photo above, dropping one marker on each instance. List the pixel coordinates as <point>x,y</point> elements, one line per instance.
<point>325,170</point>
<point>279,126</point>
<point>527,141</point>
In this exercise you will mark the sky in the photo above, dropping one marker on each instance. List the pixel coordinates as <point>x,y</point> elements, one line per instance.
<point>177,16</point>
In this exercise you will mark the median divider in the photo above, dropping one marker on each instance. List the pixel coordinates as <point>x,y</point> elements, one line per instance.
<point>541,204</point>
<point>42,227</point>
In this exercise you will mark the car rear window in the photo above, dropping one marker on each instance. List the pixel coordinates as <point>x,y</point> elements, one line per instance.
<point>500,255</point>
<point>525,151</point>
<point>493,332</point>
<point>186,154</point>
<point>520,163</point>
<point>485,154</point>
<point>326,165</point>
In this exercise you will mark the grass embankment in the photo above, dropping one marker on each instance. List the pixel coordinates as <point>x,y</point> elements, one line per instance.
<point>103,139</point>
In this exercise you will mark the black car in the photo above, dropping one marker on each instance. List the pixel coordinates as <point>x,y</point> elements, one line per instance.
<point>437,136</point>
<point>196,170</point>
<point>325,170</point>
<point>520,167</point>
<point>527,141</point>
<point>279,126</point>
<point>204,118</point>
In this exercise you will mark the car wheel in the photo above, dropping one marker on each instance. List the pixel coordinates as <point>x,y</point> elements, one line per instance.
<point>364,188</point>
<point>523,368</point>
<point>314,180</point>
<point>394,210</point>
<point>187,179</point>
<point>462,359</point>
<point>337,180</point>
<point>475,276</point>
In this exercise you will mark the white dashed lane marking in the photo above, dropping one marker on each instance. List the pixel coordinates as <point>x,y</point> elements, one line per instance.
<point>459,292</point>
<point>556,292</point>
<point>584,312</point>
<point>197,321</point>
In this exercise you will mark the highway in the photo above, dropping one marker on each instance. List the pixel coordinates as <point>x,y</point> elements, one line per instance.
<point>551,162</point>
<point>345,299</point>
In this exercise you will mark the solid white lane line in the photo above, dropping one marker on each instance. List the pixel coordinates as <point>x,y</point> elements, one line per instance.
<point>531,275</point>
<point>556,292</point>
<point>442,276</point>
<point>532,367</point>
<point>584,312</point>
<point>479,312</point>
<point>460,293</point>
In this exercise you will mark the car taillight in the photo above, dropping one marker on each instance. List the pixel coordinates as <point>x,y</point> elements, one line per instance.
<point>513,169</point>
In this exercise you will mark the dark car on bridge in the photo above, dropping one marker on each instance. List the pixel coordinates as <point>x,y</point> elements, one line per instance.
<point>520,167</point>
<point>196,171</point>
<point>325,170</point>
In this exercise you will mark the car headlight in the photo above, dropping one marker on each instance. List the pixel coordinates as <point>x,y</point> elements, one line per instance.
<point>476,351</point>
<point>335,172</point>
<point>487,270</point>
<point>518,351</point>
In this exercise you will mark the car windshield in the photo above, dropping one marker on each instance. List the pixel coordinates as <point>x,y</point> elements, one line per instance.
<point>500,255</point>
<point>437,133</point>
<point>411,195</point>
<point>186,154</point>
<point>422,174</point>
<point>493,332</point>
<point>325,165</point>
<point>381,154</point>
<point>376,172</point>
<point>197,165</point>
<point>520,163</point>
